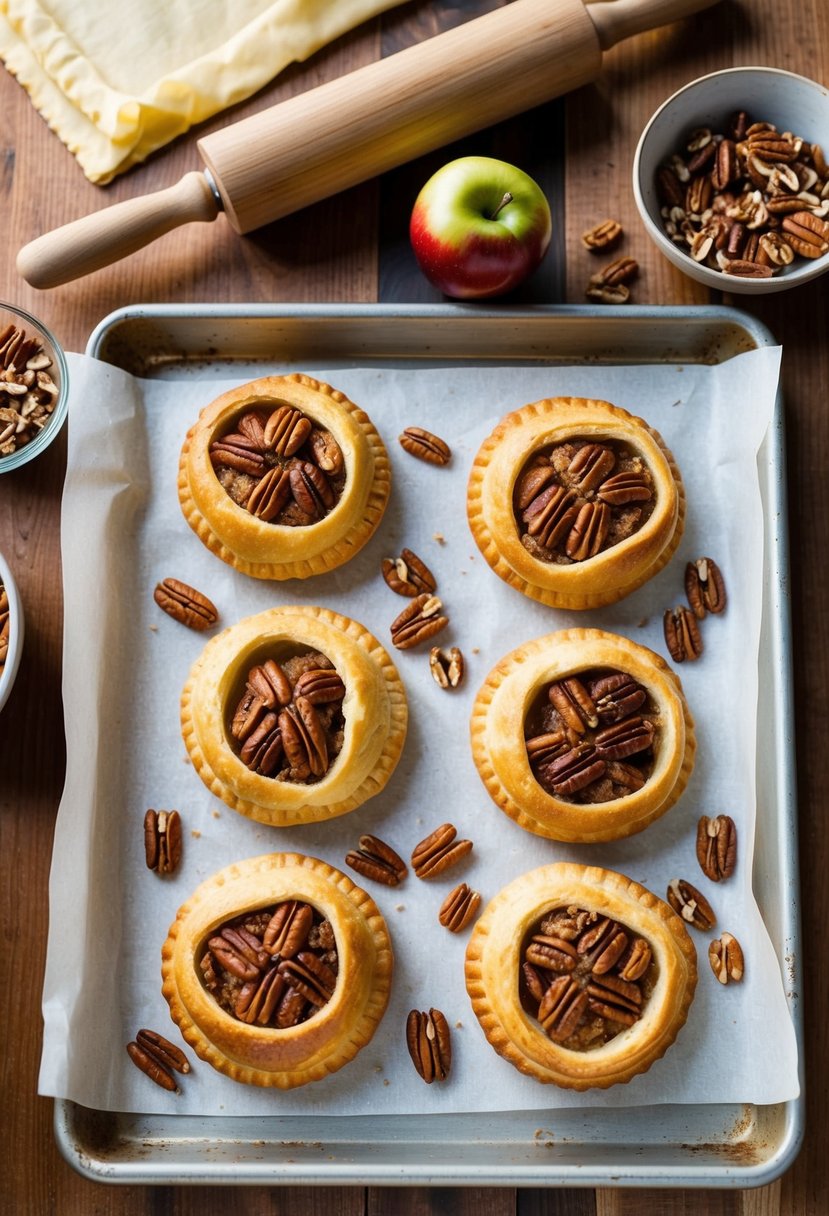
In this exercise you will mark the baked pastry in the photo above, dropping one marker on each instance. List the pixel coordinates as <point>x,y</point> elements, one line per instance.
<point>575,502</point>
<point>283,477</point>
<point>583,736</point>
<point>579,976</point>
<point>294,715</point>
<point>277,970</point>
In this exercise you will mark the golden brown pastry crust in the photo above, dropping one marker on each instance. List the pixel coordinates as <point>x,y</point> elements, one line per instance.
<point>493,960</point>
<point>500,754</point>
<point>276,551</point>
<point>374,708</point>
<point>268,1056</point>
<point>611,574</point>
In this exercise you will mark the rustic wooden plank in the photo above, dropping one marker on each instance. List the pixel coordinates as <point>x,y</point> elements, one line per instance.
<point>440,1201</point>
<point>555,1202</point>
<point>667,1203</point>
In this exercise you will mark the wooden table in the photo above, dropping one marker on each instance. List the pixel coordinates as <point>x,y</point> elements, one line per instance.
<point>354,248</point>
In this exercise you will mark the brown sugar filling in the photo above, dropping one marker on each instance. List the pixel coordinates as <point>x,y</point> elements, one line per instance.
<point>274,966</point>
<point>592,737</point>
<point>279,466</point>
<point>585,977</point>
<point>573,500</point>
<point>288,722</point>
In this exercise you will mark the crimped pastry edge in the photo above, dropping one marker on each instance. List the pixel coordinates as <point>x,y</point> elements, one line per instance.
<point>550,1063</point>
<point>358,534</point>
<point>544,591</point>
<point>550,825</point>
<point>386,760</point>
<point>343,1047</point>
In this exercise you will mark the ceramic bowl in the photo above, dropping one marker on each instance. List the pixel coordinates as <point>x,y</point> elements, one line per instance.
<point>10,315</point>
<point>790,102</point>
<point>9,670</point>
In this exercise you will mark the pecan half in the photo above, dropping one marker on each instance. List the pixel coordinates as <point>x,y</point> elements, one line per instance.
<point>573,704</point>
<point>602,945</point>
<point>152,1067</point>
<point>269,682</point>
<point>705,587</point>
<point>623,488</point>
<point>310,977</point>
<point>425,446</point>
<point>375,859</point>
<point>717,847</point>
<point>286,430</point>
<point>613,998</point>
<point>607,293</point>
<point>258,999</point>
<point>623,270</point>
<point>303,737</point>
<point>269,495</point>
<point>636,961</point>
<point>311,489</point>
<point>682,635</point>
<point>616,696</point>
<point>459,908</point>
<point>185,604</point>
<point>163,1050</point>
<point>543,748</point>
<point>430,1046</point>
<point>588,532</point>
<point>531,482</point>
<point>690,904</point>
<point>162,841</point>
<point>579,767</point>
<point>287,930</point>
<point>562,1008</point>
<point>326,452</point>
<point>589,467</point>
<point>262,749</point>
<point>438,851</point>
<point>625,738</point>
<point>239,952</point>
<point>551,515</point>
<point>725,954</point>
<point>447,669</point>
<point>247,716</point>
<point>320,686</point>
<point>551,953</point>
<point>407,574</point>
<point>603,236</point>
<point>238,452</point>
<point>420,620</point>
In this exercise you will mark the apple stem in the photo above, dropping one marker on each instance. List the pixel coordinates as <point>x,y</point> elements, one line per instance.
<point>506,199</point>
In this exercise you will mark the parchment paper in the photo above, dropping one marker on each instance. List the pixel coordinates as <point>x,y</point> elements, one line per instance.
<point>125,664</point>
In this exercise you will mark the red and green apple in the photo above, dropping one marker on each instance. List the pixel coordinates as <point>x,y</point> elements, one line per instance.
<point>479,226</point>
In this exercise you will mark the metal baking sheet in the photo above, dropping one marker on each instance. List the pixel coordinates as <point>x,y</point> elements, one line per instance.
<point>681,1145</point>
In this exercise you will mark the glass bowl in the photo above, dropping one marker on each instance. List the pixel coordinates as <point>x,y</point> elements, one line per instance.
<point>10,315</point>
<point>793,103</point>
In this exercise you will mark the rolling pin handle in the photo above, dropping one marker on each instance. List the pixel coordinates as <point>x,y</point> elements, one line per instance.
<point>616,20</point>
<point>106,236</point>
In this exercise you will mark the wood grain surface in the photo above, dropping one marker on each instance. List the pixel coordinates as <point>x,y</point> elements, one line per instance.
<point>355,248</point>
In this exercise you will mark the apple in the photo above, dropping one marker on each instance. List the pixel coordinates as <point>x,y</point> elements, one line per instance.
<point>479,226</point>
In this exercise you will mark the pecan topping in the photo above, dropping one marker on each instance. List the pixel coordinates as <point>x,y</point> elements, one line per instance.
<point>725,954</point>
<point>429,1043</point>
<point>579,767</point>
<point>28,394</point>
<point>279,466</point>
<point>574,704</point>
<point>624,488</point>
<point>551,515</point>
<point>459,908</point>
<point>602,236</point>
<point>590,466</point>
<point>625,738</point>
<point>425,446</point>
<point>541,748</point>
<point>157,1058</point>
<point>162,841</point>
<point>690,904</point>
<point>589,531</point>
<point>682,635</point>
<point>272,966</point>
<point>704,587</point>
<point>438,851</point>
<point>420,620</point>
<point>616,696</point>
<point>185,605</point>
<point>585,977</point>
<point>447,669</point>
<point>717,847</point>
<point>289,721</point>
<point>531,482</point>
<point>407,574</point>
<point>375,859</point>
<point>288,928</point>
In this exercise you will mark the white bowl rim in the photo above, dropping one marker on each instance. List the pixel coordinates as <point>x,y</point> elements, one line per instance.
<point>715,278</point>
<point>9,673</point>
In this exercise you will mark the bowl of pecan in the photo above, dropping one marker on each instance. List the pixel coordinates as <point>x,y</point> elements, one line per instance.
<point>34,387</point>
<point>11,630</point>
<point>732,181</point>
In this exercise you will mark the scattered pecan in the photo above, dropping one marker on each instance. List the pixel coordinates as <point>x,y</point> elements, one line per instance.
<point>429,1043</point>
<point>425,446</point>
<point>690,904</point>
<point>375,859</point>
<point>705,587</point>
<point>459,908</point>
<point>602,237</point>
<point>623,270</point>
<point>717,846</point>
<point>420,620</point>
<point>447,669</point>
<point>438,851</point>
<point>157,1058</point>
<point>725,954</point>
<point>162,841</point>
<point>607,293</point>
<point>682,635</point>
<point>407,574</point>
<point>185,605</point>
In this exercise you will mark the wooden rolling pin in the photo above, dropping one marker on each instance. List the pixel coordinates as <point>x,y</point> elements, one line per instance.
<point>362,124</point>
